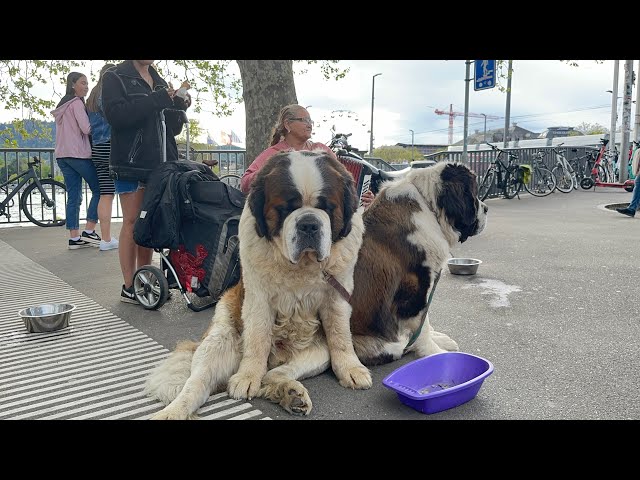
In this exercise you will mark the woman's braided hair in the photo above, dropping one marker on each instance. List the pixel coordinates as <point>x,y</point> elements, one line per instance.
<point>280,130</point>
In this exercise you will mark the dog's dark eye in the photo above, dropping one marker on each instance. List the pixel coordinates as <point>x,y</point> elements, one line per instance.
<point>325,204</point>
<point>283,210</point>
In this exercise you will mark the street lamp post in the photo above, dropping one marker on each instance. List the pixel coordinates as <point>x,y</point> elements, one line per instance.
<point>373,88</point>
<point>411,144</point>
<point>614,110</point>
<point>485,126</point>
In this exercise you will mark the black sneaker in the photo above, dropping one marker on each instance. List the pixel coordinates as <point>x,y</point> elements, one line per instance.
<point>75,244</point>
<point>92,238</point>
<point>626,211</point>
<point>127,295</point>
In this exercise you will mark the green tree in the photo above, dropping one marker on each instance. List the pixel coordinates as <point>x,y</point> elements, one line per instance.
<point>264,86</point>
<point>396,154</point>
<point>591,128</point>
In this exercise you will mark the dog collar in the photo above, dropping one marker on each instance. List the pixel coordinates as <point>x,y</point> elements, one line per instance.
<point>417,332</point>
<point>331,280</point>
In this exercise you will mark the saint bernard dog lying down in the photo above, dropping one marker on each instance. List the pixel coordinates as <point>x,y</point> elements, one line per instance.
<point>410,229</point>
<point>288,317</point>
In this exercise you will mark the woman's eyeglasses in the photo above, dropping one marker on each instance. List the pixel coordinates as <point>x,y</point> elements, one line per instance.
<point>308,121</point>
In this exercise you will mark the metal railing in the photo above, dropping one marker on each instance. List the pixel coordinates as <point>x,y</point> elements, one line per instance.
<point>14,160</point>
<point>479,160</point>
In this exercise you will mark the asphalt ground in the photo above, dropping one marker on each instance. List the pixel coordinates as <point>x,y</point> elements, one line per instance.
<point>553,306</point>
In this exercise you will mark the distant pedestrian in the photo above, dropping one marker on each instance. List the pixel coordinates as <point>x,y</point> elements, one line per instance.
<point>100,149</point>
<point>635,198</point>
<point>73,155</point>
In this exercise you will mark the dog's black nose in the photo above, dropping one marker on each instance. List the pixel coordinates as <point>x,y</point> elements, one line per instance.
<point>308,224</point>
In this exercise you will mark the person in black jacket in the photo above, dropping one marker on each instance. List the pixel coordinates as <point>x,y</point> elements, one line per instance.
<point>135,100</point>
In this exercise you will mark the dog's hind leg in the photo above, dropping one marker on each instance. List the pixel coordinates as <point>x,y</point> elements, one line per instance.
<point>168,378</point>
<point>281,385</point>
<point>429,341</point>
<point>214,361</point>
<point>444,341</point>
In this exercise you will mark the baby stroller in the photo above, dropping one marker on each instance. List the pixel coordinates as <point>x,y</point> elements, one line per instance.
<point>191,219</point>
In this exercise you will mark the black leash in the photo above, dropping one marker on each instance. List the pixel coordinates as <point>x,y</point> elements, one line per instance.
<point>417,332</point>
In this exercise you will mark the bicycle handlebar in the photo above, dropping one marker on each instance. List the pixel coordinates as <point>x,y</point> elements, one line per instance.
<point>511,154</point>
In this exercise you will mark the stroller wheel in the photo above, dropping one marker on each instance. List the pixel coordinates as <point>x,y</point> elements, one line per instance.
<point>151,287</point>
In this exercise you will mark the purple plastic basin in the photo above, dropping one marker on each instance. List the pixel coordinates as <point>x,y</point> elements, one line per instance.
<point>440,381</point>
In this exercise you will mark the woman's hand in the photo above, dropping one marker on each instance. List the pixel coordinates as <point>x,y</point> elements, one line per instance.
<point>367,198</point>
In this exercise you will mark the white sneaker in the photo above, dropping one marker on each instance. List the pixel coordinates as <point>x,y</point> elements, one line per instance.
<point>112,245</point>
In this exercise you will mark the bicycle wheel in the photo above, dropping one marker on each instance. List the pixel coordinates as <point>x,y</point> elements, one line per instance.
<point>40,211</point>
<point>543,182</point>
<point>484,187</point>
<point>232,180</point>
<point>511,186</point>
<point>603,175</point>
<point>564,180</point>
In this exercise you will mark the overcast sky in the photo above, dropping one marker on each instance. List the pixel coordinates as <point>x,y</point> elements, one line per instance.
<point>544,93</point>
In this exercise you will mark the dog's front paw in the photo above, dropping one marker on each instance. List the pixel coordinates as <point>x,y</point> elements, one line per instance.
<point>296,399</point>
<point>172,413</point>
<point>244,385</point>
<point>357,377</point>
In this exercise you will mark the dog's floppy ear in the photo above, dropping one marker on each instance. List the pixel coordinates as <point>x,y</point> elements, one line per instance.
<point>459,199</point>
<point>350,202</point>
<point>256,202</point>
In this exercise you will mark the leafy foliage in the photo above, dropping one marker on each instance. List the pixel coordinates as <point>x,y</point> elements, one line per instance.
<point>212,82</point>
<point>591,128</point>
<point>396,154</point>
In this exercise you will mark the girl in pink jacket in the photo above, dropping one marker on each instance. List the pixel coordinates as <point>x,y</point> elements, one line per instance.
<point>73,155</point>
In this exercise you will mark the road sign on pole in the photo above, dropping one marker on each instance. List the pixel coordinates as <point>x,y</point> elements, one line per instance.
<point>485,76</point>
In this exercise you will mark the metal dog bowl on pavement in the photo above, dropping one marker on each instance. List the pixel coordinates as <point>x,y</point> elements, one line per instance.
<point>47,317</point>
<point>463,266</point>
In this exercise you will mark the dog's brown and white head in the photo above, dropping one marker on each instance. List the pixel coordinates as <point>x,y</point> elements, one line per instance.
<point>303,202</point>
<point>450,190</point>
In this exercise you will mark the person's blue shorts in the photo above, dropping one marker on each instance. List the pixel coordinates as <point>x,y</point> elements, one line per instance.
<point>127,186</point>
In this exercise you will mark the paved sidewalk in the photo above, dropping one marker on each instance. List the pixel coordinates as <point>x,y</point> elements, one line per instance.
<point>554,306</point>
<point>93,369</point>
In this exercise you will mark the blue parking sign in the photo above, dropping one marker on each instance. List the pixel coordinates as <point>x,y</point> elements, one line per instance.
<point>485,76</point>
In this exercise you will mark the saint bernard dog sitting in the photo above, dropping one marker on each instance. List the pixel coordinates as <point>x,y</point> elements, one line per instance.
<point>288,317</point>
<point>410,229</point>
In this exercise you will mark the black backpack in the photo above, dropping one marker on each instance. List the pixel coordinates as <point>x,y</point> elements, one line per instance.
<point>188,210</point>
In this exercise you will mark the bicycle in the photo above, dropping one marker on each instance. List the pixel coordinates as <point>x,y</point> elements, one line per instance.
<point>581,167</point>
<point>501,174</point>
<point>609,166</point>
<point>543,181</point>
<point>516,177</point>
<point>41,196</point>
<point>566,179</point>
<point>231,179</point>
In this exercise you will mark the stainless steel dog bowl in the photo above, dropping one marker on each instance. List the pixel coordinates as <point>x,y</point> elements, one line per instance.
<point>463,266</point>
<point>47,317</point>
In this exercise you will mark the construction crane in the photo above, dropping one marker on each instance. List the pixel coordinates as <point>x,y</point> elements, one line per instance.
<point>453,114</point>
